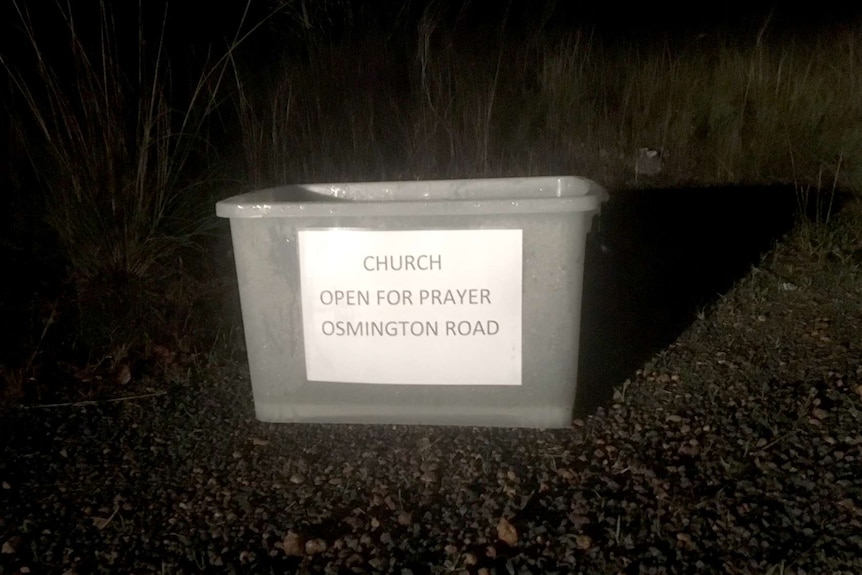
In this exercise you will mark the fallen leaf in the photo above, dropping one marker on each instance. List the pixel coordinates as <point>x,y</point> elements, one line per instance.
<point>124,374</point>
<point>507,533</point>
<point>164,355</point>
<point>11,545</point>
<point>100,522</point>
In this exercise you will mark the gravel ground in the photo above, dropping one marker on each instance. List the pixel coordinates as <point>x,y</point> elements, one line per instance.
<point>738,449</point>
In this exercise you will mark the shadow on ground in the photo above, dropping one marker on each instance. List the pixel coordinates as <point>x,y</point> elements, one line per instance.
<point>654,259</point>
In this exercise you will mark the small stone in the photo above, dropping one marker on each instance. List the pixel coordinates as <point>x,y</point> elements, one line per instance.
<point>6,485</point>
<point>648,162</point>
<point>293,544</point>
<point>315,546</point>
<point>507,533</point>
<point>566,473</point>
<point>684,539</point>
<point>354,559</point>
<point>405,518</point>
<point>691,448</point>
<point>819,413</point>
<point>297,479</point>
<point>584,542</point>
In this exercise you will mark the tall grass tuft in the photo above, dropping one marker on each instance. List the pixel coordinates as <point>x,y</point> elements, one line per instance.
<point>118,156</point>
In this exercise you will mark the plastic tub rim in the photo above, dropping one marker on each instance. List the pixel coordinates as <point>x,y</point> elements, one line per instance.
<point>350,199</point>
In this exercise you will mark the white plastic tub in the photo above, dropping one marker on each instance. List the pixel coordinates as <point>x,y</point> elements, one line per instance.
<point>450,302</point>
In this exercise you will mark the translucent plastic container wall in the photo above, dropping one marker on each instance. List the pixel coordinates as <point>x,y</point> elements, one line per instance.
<point>451,302</point>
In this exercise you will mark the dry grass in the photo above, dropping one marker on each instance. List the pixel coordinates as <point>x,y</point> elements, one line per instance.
<point>760,110</point>
<point>121,146</point>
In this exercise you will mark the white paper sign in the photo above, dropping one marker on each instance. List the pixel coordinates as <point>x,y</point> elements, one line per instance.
<point>412,307</point>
